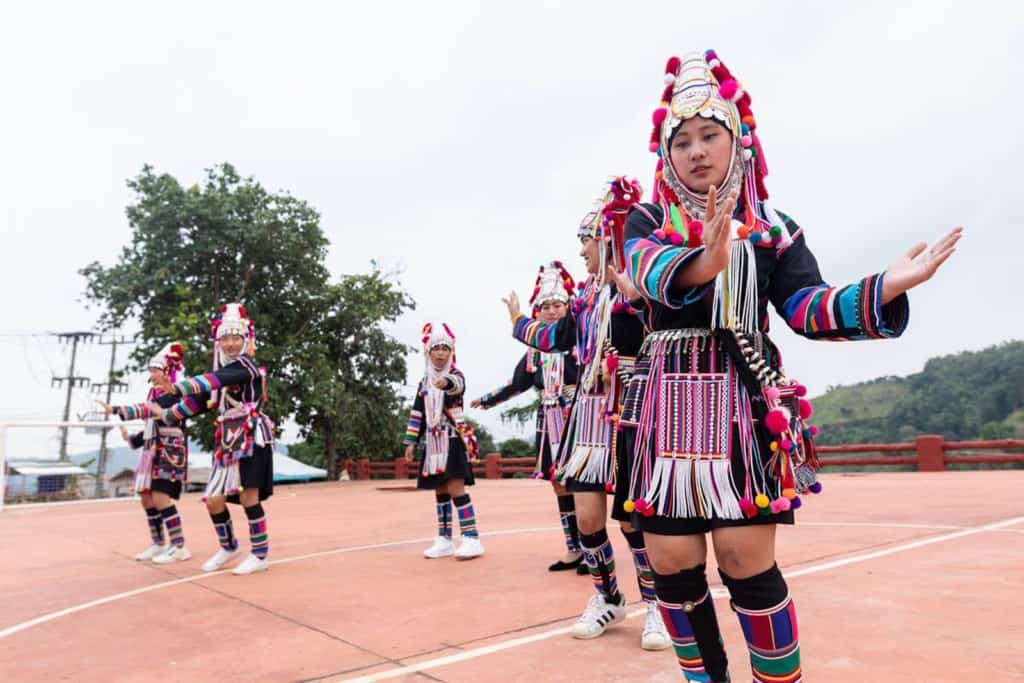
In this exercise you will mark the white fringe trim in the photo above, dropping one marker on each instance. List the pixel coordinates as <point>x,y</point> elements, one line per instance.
<point>709,481</point>
<point>224,481</point>
<point>144,471</point>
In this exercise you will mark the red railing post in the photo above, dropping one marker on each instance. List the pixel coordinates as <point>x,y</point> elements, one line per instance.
<point>346,466</point>
<point>931,456</point>
<point>492,466</point>
<point>363,468</point>
<point>401,468</point>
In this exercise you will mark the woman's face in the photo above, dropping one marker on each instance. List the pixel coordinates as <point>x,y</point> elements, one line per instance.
<point>588,250</point>
<point>231,345</point>
<point>700,153</point>
<point>553,311</point>
<point>439,356</point>
<point>155,375</point>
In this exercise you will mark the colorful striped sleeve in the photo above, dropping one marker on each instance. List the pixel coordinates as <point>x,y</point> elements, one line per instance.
<point>199,384</point>
<point>415,424</point>
<point>653,265</point>
<point>136,411</point>
<point>816,310</point>
<point>190,406</point>
<point>549,337</point>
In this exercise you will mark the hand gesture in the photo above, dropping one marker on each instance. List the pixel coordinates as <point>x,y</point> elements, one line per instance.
<point>107,408</point>
<point>408,452</point>
<point>512,302</point>
<point>441,383</point>
<point>918,265</point>
<point>718,230</point>
<point>124,434</point>
<point>475,403</point>
<point>624,284</point>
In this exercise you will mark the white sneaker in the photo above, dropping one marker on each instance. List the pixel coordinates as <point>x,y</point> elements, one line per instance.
<point>443,547</point>
<point>173,554</point>
<point>151,552</point>
<point>250,565</point>
<point>598,616</point>
<point>220,558</point>
<point>655,635</point>
<point>469,548</point>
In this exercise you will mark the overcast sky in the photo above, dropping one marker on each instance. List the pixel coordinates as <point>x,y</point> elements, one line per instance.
<point>461,143</point>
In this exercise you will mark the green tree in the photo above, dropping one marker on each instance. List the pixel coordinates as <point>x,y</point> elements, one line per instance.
<point>194,249</point>
<point>352,370</point>
<point>516,448</point>
<point>522,415</point>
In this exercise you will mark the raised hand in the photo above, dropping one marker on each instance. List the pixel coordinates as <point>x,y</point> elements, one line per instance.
<point>156,410</point>
<point>512,302</point>
<point>718,231</point>
<point>624,284</point>
<point>918,265</point>
<point>107,408</point>
<point>475,403</point>
<point>408,452</point>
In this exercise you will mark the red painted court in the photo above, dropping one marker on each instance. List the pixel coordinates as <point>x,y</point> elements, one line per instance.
<point>897,577</point>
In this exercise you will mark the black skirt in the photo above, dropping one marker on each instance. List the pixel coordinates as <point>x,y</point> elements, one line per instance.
<point>257,472</point>
<point>458,467</point>
<point>167,487</point>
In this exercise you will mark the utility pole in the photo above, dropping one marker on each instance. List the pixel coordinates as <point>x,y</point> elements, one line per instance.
<point>72,381</point>
<point>111,385</point>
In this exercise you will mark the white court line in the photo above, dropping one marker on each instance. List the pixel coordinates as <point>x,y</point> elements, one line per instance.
<point>813,569</point>
<point>25,625</point>
<point>20,507</point>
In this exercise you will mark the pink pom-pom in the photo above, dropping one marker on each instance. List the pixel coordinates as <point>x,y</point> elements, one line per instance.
<point>814,430</point>
<point>653,147</point>
<point>775,506</point>
<point>660,234</point>
<point>748,507</point>
<point>783,504</point>
<point>746,141</point>
<point>777,420</point>
<point>771,393</point>
<point>675,238</point>
<point>728,89</point>
<point>801,390</point>
<point>658,117</point>
<point>640,505</point>
<point>786,445</point>
<point>613,363</point>
<point>806,410</point>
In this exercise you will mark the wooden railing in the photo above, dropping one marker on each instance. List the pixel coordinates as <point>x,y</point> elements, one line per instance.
<point>925,453</point>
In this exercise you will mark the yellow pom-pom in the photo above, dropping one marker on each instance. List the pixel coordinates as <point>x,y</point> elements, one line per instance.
<point>761,500</point>
<point>774,446</point>
<point>789,493</point>
<point>629,506</point>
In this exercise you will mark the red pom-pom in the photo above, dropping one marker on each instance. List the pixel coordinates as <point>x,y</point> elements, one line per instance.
<point>675,238</point>
<point>653,147</point>
<point>672,65</point>
<point>728,89</point>
<point>801,390</point>
<point>748,507</point>
<point>612,362</point>
<point>777,420</point>
<point>609,487</point>
<point>814,430</point>
<point>658,117</point>
<point>806,410</point>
